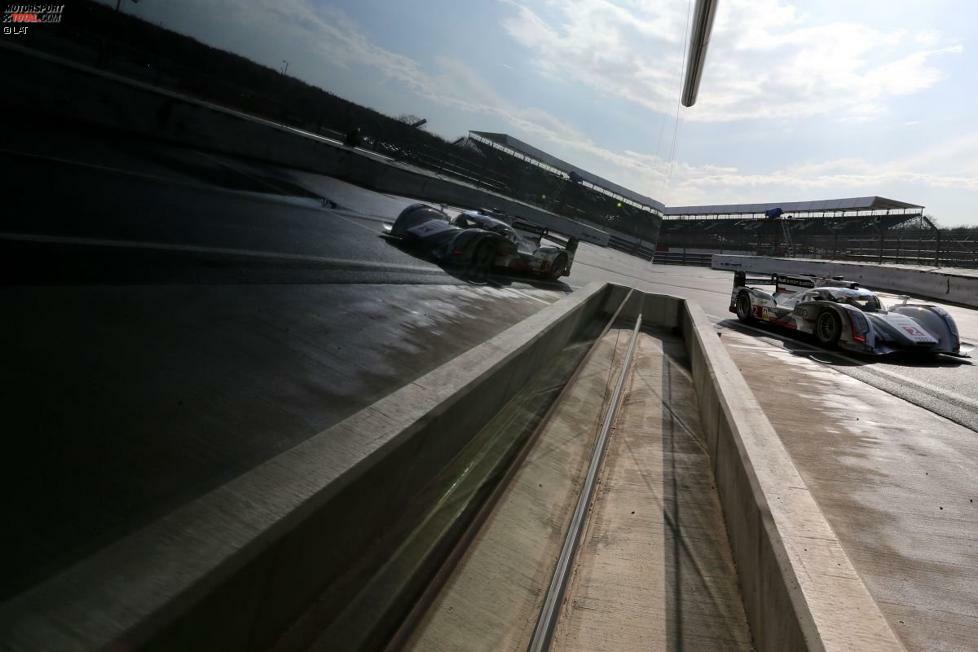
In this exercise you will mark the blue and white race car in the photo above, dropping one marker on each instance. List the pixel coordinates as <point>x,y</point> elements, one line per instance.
<point>480,240</point>
<point>842,314</point>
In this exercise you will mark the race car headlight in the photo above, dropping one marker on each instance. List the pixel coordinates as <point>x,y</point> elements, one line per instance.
<point>859,325</point>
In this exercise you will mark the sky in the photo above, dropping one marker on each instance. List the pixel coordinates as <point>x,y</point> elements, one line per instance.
<point>799,100</point>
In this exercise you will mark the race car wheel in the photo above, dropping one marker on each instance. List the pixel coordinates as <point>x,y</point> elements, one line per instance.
<point>483,258</point>
<point>828,328</point>
<point>558,267</point>
<point>744,307</point>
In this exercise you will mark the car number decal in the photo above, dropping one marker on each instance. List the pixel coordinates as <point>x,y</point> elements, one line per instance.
<point>910,328</point>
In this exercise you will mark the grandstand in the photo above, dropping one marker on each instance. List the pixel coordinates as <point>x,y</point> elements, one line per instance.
<point>639,223</point>
<point>525,151</point>
<point>786,228</point>
<point>631,218</point>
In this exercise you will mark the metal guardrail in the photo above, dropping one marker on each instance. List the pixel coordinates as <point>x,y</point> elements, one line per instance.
<point>634,247</point>
<point>889,250</point>
<point>682,258</point>
<point>898,246</point>
<point>906,250</point>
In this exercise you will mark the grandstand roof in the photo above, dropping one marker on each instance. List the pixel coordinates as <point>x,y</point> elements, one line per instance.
<point>849,204</point>
<point>825,205</point>
<point>526,149</point>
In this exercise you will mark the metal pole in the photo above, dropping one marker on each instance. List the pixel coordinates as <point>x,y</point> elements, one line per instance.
<point>699,39</point>
<point>937,234</point>
<point>920,229</point>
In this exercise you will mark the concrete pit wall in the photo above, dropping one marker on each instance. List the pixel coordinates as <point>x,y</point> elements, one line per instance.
<point>235,568</point>
<point>799,588</point>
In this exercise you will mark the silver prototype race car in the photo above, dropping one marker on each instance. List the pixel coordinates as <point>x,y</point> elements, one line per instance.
<point>840,313</point>
<point>481,240</point>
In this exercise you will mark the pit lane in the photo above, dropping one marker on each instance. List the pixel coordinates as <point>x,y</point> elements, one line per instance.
<point>71,350</point>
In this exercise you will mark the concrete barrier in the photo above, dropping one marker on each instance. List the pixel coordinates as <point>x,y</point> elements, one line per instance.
<point>958,286</point>
<point>799,587</point>
<point>235,568</point>
<point>37,84</point>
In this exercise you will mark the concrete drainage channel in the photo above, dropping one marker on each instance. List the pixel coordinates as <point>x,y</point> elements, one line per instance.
<point>358,537</point>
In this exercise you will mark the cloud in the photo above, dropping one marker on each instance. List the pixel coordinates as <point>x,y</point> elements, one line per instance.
<point>767,60</point>
<point>841,177</point>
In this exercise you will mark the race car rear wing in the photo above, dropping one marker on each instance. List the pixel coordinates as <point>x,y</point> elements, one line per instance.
<point>569,243</point>
<point>741,280</point>
<point>529,227</point>
<point>791,282</point>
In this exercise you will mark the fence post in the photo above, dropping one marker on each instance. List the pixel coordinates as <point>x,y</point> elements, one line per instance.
<point>937,234</point>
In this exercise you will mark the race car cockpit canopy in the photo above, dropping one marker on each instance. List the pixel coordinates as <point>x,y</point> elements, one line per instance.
<point>472,219</point>
<point>858,297</point>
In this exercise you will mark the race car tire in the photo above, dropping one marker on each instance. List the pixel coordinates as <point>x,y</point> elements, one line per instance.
<point>483,258</point>
<point>558,267</point>
<point>743,305</point>
<point>828,328</point>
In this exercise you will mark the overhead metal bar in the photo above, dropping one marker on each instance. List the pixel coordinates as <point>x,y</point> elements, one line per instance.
<point>699,40</point>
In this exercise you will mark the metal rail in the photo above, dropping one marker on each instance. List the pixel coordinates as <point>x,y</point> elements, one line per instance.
<point>424,601</point>
<point>543,633</point>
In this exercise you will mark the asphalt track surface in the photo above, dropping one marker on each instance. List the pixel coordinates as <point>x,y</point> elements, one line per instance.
<point>176,317</point>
